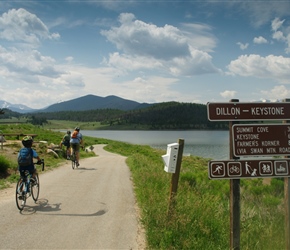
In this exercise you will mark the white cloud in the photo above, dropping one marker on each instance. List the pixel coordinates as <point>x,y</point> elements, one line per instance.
<point>69,79</point>
<point>197,64</point>
<point>228,94</point>
<point>169,48</point>
<point>260,40</point>
<point>40,91</point>
<point>199,36</point>
<point>133,88</point>
<point>69,59</point>
<point>273,67</point>
<point>279,36</point>
<point>141,86</point>
<point>151,62</point>
<point>129,63</point>
<point>243,46</point>
<point>27,62</point>
<point>142,39</point>
<point>280,33</point>
<point>277,93</point>
<point>276,24</point>
<point>21,25</point>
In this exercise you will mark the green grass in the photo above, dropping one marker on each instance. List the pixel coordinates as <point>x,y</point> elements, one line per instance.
<point>201,216</point>
<point>201,219</point>
<point>9,165</point>
<point>14,120</point>
<point>70,125</point>
<point>61,124</point>
<point>4,164</point>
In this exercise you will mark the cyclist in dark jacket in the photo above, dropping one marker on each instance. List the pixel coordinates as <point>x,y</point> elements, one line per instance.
<point>66,142</point>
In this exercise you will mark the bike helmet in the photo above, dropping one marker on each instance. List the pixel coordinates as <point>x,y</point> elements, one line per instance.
<point>68,132</point>
<point>77,129</point>
<point>27,141</point>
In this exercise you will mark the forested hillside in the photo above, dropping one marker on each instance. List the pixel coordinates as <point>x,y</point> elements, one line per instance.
<point>172,115</point>
<point>168,115</point>
<point>99,115</point>
<point>7,113</point>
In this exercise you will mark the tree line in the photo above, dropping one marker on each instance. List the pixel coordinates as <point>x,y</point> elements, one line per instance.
<point>167,115</point>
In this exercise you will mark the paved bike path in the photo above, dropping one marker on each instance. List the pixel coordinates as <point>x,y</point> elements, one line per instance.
<point>92,207</point>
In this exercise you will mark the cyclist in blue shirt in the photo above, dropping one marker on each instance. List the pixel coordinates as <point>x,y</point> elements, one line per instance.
<point>27,142</point>
<point>76,141</point>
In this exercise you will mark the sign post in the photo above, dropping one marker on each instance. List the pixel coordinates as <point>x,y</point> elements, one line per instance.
<point>287,200</point>
<point>260,139</point>
<point>175,178</point>
<point>242,169</point>
<point>238,111</point>
<point>252,140</point>
<point>235,204</point>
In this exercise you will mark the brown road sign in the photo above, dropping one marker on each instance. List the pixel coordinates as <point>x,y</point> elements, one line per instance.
<point>238,111</point>
<point>238,169</point>
<point>261,139</point>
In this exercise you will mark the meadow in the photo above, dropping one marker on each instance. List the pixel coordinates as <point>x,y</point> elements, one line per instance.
<point>201,216</point>
<point>201,219</point>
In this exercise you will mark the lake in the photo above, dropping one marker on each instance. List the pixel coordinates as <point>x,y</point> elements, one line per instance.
<point>204,143</point>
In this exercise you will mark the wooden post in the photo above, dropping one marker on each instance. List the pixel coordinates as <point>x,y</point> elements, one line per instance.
<point>175,178</point>
<point>235,205</point>
<point>287,206</point>
<point>1,113</point>
<point>287,203</point>
<point>2,139</point>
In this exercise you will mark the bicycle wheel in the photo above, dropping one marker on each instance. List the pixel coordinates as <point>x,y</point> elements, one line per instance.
<point>35,187</point>
<point>77,164</point>
<point>20,195</point>
<point>73,160</point>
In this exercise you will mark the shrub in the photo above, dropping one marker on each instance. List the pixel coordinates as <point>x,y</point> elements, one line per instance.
<point>4,164</point>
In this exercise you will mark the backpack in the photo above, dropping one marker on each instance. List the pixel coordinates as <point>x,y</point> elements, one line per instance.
<point>25,157</point>
<point>74,134</point>
<point>66,140</point>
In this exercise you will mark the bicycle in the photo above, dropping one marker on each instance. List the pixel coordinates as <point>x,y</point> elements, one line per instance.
<point>73,158</point>
<point>27,184</point>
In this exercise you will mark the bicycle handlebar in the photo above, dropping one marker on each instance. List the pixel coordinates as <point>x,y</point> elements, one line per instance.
<point>41,162</point>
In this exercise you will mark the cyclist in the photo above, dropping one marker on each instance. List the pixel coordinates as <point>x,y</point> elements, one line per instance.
<point>76,141</point>
<point>66,142</point>
<point>26,155</point>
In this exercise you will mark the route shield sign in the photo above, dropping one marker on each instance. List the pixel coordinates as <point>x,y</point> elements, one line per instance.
<point>232,169</point>
<point>238,111</point>
<point>261,139</point>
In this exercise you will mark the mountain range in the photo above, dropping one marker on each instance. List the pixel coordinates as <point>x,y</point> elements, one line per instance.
<point>20,108</point>
<point>88,102</point>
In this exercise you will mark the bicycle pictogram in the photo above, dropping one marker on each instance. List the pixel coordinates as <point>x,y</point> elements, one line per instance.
<point>234,169</point>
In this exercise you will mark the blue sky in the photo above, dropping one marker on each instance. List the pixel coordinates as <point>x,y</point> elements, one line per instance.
<point>146,51</point>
